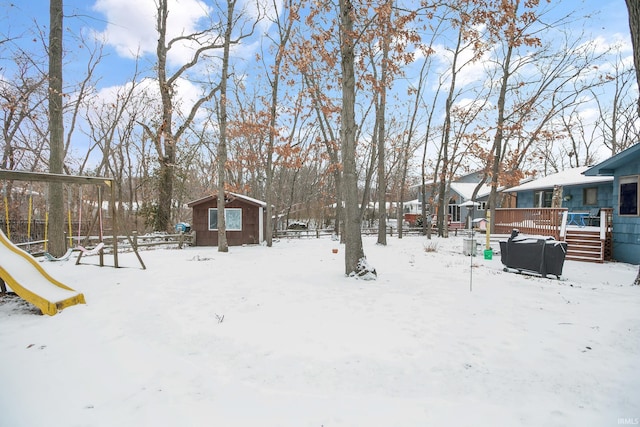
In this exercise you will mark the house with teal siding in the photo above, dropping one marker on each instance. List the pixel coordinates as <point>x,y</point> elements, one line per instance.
<point>579,192</point>
<point>584,202</point>
<point>624,167</point>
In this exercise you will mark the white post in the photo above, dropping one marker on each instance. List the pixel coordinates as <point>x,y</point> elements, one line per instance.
<point>563,225</point>
<point>261,224</point>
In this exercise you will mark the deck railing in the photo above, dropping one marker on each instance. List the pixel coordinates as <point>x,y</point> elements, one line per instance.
<point>534,221</point>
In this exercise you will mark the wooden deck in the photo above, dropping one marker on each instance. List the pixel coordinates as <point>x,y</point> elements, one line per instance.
<point>588,243</point>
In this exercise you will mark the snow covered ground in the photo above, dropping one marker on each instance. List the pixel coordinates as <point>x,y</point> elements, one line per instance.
<point>279,337</point>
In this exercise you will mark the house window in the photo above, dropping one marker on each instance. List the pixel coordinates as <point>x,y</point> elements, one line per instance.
<point>232,219</point>
<point>454,211</point>
<point>628,196</point>
<point>542,199</point>
<point>590,196</point>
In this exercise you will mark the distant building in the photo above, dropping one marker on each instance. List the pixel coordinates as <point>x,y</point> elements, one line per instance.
<point>244,220</point>
<point>460,191</point>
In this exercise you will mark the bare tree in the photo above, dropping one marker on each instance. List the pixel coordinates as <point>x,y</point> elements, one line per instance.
<point>385,13</point>
<point>223,246</point>
<point>618,117</point>
<point>318,74</point>
<point>525,106</point>
<point>634,25</point>
<point>457,118</point>
<point>56,129</point>
<point>231,19</point>
<point>23,99</point>
<point>284,24</point>
<point>164,137</point>
<point>113,130</point>
<point>355,261</point>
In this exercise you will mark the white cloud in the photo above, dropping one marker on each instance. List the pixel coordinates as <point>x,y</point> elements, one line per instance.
<point>131,25</point>
<point>147,90</point>
<point>473,103</point>
<point>469,72</point>
<point>616,42</point>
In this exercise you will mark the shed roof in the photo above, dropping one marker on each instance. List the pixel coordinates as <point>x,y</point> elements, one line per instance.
<point>210,197</point>
<point>567,177</point>
<point>612,163</point>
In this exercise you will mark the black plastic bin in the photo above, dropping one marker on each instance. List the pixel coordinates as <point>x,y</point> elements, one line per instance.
<point>542,255</point>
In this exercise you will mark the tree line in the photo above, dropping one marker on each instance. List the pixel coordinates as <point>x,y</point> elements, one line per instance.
<point>345,104</point>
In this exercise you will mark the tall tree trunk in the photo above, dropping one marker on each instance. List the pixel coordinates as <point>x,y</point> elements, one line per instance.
<point>633,7</point>
<point>354,252</point>
<point>427,215</point>
<point>56,244</point>
<point>424,212</point>
<point>497,139</point>
<point>164,135</point>
<point>165,197</point>
<point>269,167</point>
<point>222,144</point>
<point>273,119</point>
<point>380,120</point>
<point>443,202</point>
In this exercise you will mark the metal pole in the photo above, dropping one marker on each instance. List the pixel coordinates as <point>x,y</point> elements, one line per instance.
<point>488,230</point>
<point>6,209</point>
<point>471,256</point>
<point>114,220</point>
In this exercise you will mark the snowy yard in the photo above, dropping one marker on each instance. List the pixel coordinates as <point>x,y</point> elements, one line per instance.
<point>279,337</point>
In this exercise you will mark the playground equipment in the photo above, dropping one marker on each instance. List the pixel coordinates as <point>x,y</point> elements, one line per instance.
<point>64,257</point>
<point>29,232</point>
<point>26,277</point>
<point>98,249</point>
<point>7,175</point>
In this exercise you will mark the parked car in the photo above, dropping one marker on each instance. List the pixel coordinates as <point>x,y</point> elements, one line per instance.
<point>297,225</point>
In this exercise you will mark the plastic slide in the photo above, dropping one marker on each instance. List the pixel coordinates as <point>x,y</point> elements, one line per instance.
<point>26,277</point>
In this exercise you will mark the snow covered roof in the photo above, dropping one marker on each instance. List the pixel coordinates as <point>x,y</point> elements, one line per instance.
<point>567,177</point>
<point>465,189</point>
<point>248,199</point>
<point>229,193</point>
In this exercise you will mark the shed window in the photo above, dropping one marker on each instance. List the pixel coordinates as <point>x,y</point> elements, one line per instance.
<point>232,219</point>
<point>628,198</point>
<point>590,196</point>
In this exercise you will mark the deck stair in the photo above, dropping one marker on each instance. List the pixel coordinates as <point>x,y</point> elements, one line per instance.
<point>584,244</point>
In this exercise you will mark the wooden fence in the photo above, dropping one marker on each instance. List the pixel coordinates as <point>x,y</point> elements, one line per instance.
<point>365,231</point>
<point>125,243</point>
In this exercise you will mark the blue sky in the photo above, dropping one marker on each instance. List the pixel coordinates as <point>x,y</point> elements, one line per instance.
<point>127,27</point>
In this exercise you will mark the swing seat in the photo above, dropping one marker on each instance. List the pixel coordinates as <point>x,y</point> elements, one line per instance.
<point>64,257</point>
<point>93,251</point>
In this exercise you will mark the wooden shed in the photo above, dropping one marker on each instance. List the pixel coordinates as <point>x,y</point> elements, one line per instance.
<point>244,220</point>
